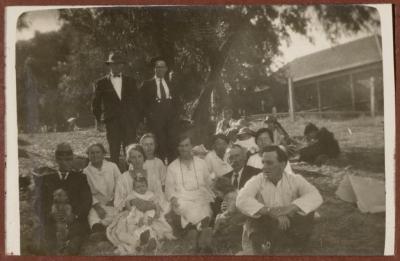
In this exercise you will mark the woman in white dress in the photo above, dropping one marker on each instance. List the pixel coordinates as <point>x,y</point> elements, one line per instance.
<point>102,177</point>
<point>264,137</point>
<point>188,188</point>
<point>135,157</point>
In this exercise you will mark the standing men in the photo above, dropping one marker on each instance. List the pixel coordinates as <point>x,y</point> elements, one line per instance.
<point>161,111</point>
<point>117,99</point>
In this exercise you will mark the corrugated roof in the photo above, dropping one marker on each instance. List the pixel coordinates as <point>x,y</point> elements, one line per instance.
<point>341,57</point>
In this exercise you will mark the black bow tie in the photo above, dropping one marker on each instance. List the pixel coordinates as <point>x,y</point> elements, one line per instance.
<point>117,76</point>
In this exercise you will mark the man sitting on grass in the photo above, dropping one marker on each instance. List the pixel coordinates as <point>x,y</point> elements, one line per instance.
<point>75,184</point>
<point>280,206</point>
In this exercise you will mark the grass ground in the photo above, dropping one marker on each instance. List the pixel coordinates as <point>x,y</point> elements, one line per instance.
<point>341,229</point>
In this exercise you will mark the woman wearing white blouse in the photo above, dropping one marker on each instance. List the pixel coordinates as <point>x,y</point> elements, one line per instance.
<point>188,187</point>
<point>102,177</point>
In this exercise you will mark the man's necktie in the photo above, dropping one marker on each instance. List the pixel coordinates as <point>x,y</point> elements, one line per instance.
<point>63,175</point>
<point>162,90</point>
<point>235,182</point>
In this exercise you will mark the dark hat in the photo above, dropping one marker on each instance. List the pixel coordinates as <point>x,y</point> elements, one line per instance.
<point>219,136</point>
<point>115,57</point>
<point>264,130</point>
<point>63,150</point>
<point>310,127</point>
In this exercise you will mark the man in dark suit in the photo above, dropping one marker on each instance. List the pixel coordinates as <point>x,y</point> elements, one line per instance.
<point>75,184</point>
<point>162,106</point>
<point>241,173</point>
<point>117,99</point>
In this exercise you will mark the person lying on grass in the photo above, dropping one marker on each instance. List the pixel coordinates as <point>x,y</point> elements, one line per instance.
<point>321,145</point>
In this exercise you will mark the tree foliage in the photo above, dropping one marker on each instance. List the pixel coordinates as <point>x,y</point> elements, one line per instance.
<point>206,46</point>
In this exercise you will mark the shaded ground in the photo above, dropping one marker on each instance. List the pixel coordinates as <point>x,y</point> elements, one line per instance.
<point>341,229</point>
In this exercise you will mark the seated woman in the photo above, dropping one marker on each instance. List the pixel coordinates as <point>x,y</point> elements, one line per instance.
<point>188,188</point>
<point>321,145</point>
<point>264,138</point>
<point>137,230</point>
<point>155,168</point>
<point>135,157</point>
<point>102,176</point>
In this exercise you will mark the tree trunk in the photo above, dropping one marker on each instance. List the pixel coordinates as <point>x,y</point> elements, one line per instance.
<point>203,127</point>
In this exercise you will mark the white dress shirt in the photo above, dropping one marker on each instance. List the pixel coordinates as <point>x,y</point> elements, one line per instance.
<point>117,84</point>
<point>259,191</point>
<point>238,178</point>
<point>166,89</point>
<point>217,166</point>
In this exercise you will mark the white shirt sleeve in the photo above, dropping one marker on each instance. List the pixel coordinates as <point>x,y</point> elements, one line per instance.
<point>310,198</point>
<point>163,172</point>
<point>120,194</point>
<point>246,200</point>
<point>170,184</point>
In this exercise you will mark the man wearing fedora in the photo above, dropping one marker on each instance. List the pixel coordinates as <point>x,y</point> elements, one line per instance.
<point>162,106</point>
<point>117,103</point>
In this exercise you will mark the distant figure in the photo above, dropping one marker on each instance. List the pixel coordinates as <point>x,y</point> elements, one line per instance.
<point>226,123</point>
<point>117,101</point>
<point>321,145</point>
<point>246,139</point>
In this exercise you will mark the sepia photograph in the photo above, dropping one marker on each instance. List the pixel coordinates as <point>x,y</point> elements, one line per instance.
<point>228,130</point>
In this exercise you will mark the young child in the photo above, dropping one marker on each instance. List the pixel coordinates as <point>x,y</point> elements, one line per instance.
<point>230,218</point>
<point>152,220</point>
<point>61,212</point>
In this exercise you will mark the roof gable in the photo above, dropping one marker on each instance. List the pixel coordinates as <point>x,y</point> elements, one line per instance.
<point>345,56</point>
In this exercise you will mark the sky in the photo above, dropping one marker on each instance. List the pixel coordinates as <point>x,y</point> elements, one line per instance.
<point>47,20</point>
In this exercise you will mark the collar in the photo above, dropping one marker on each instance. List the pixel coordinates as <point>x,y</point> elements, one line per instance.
<point>60,175</point>
<point>111,75</point>
<point>102,166</point>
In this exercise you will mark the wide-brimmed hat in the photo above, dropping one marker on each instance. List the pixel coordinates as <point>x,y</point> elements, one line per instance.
<point>115,57</point>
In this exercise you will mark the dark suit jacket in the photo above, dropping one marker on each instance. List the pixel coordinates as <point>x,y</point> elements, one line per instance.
<point>77,189</point>
<point>247,173</point>
<point>107,102</point>
<point>149,95</point>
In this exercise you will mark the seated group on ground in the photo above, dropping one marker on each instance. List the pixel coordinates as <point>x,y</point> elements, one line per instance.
<point>245,181</point>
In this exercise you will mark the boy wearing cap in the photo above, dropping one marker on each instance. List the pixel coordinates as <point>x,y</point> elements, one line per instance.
<point>117,103</point>
<point>75,184</point>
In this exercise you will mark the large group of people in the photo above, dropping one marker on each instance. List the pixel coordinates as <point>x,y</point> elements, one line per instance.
<point>171,188</point>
